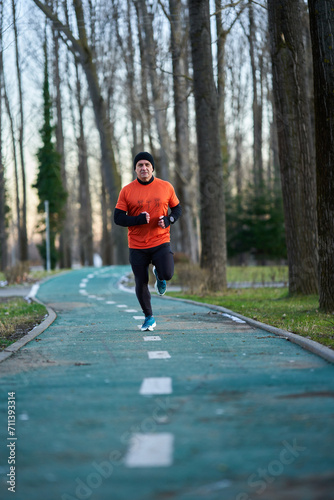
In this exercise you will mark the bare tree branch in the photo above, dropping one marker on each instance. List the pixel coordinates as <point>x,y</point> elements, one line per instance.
<point>260,4</point>
<point>77,47</point>
<point>165,11</point>
<point>228,6</point>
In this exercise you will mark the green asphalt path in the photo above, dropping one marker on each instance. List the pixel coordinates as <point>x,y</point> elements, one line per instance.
<point>249,415</point>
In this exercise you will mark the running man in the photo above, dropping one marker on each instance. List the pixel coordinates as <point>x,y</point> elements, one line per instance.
<point>142,206</point>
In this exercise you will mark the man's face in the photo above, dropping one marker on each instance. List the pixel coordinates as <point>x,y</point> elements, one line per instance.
<point>144,170</point>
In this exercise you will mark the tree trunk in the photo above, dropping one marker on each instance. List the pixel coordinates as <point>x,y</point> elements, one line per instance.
<point>106,244</point>
<point>213,227</point>
<point>16,172</point>
<point>23,245</point>
<point>238,98</point>
<point>84,224</point>
<point>257,105</point>
<point>111,176</point>
<point>274,164</point>
<point>131,82</point>
<point>296,151</point>
<point>274,160</point>
<point>221,50</point>
<point>12,131</point>
<point>85,210</point>
<point>65,259</point>
<point>3,236</point>
<point>145,114</point>
<point>159,105</point>
<point>128,53</point>
<point>322,34</point>
<point>3,233</point>
<point>183,171</point>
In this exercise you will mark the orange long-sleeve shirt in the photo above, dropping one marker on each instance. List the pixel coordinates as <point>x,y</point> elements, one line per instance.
<point>154,198</point>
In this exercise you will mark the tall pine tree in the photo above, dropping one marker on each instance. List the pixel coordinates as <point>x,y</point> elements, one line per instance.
<point>49,183</point>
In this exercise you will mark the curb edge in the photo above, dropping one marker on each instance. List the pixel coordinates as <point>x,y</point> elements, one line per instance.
<point>37,330</point>
<point>310,345</point>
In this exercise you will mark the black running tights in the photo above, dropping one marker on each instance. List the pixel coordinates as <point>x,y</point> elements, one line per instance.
<point>140,259</point>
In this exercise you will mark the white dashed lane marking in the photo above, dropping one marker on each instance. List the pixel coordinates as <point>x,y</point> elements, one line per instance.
<point>158,355</point>
<point>145,450</point>
<point>234,318</point>
<point>150,450</point>
<point>157,385</point>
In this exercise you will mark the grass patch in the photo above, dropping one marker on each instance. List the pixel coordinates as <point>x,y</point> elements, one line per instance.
<point>258,274</point>
<point>17,318</point>
<point>21,274</point>
<point>272,306</point>
<point>43,274</point>
<point>196,279</point>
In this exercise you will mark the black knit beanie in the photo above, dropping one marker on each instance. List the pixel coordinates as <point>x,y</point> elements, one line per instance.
<point>143,156</point>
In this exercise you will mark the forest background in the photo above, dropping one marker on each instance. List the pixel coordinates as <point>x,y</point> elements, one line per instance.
<point>206,87</point>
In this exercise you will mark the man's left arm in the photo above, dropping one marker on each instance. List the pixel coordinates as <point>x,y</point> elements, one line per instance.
<point>175,214</point>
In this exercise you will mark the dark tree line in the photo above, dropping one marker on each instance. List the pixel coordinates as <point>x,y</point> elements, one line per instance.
<point>306,166</point>
<point>322,34</point>
<point>296,145</point>
<point>49,182</point>
<point>233,121</point>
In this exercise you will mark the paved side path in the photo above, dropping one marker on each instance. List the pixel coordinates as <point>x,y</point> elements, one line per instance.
<point>202,408</point>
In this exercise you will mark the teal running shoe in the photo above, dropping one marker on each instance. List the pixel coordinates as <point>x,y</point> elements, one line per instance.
<point>160,285</point>
<point>148,324</point>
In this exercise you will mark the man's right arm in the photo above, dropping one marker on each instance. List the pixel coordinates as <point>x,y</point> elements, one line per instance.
<point>121,218</point>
